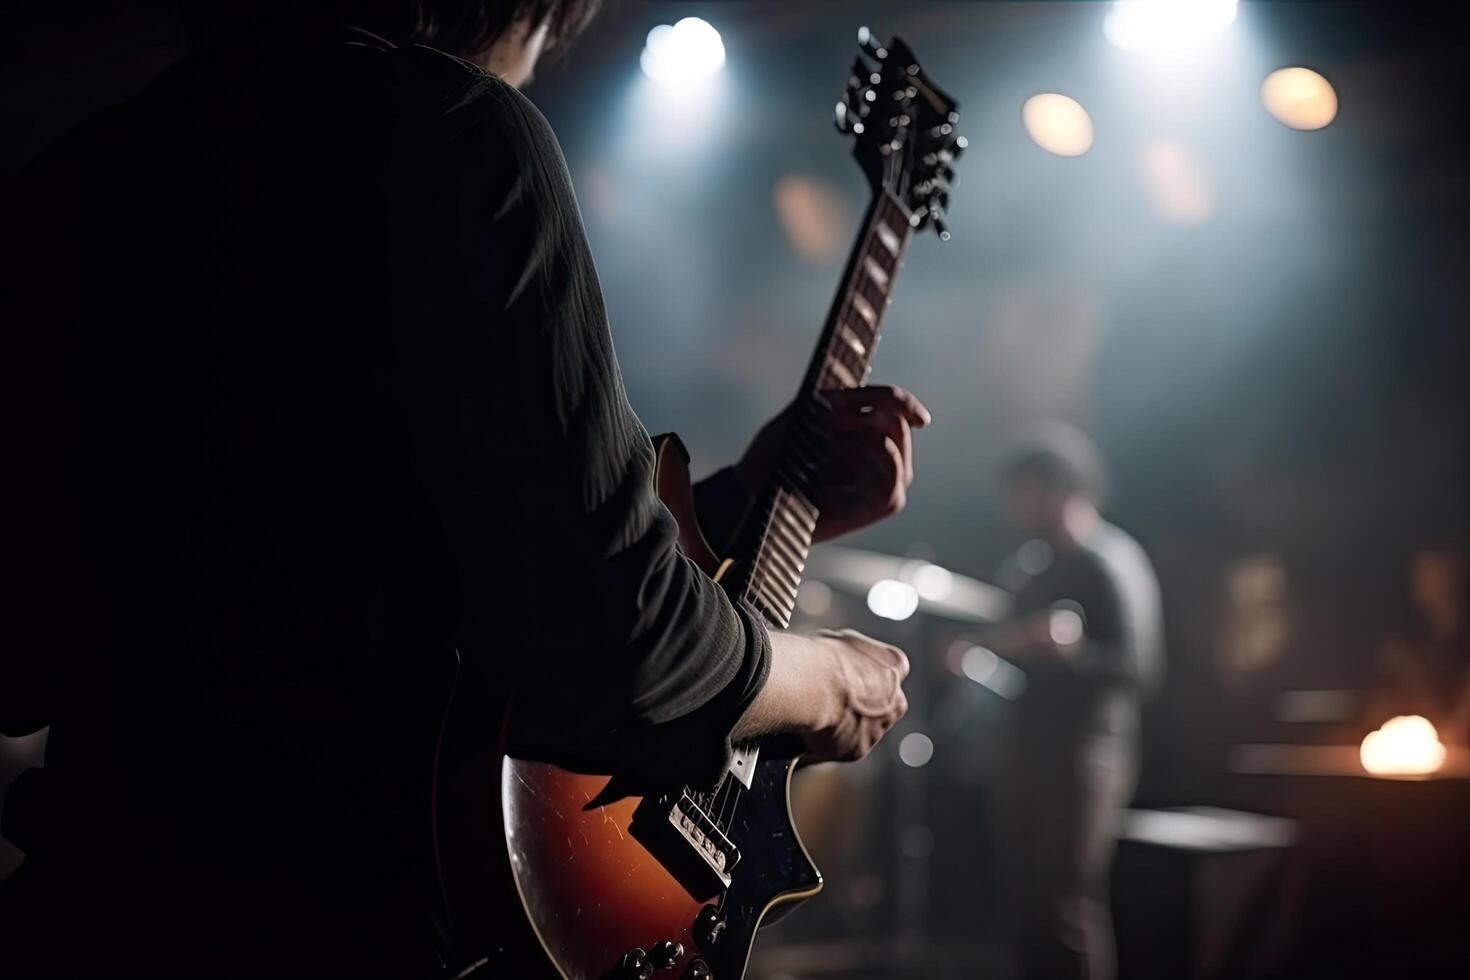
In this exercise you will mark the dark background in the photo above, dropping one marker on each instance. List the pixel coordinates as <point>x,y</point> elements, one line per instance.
<point>1279,389</point>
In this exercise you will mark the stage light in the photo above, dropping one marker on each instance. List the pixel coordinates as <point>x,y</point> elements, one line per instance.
<point>1405,746</point>
<point>915,750</point>
<point>932,582</point>
<point>814,598</point>
<point>1166,26</point>
<point>1065,627</point>
<point>998,676</point>
<point>892,599</point>
<point>1299,97</point>
<point>683,55</point>
<point>1057,124</point>
<point>979,664</point>
<point>1176,184</point>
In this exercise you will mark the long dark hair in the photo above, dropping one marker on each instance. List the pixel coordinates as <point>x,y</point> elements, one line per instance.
<point>466,28</point>
<point>469,27</point>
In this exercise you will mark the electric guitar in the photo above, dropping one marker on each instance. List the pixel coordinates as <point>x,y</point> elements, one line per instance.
<point>563,879</point>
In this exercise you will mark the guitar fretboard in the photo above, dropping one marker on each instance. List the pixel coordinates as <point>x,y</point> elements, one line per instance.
<point>772,549</point>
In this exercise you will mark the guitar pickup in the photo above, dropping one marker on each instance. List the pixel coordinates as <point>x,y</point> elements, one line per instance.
<point>687,843</point>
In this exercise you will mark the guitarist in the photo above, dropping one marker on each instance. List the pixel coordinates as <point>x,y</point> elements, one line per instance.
<point>315,401</point>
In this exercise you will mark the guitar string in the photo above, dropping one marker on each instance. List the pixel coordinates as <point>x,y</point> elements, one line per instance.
<point>731,788</point>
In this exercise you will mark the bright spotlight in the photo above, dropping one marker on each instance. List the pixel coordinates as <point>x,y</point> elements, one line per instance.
<point>933,582</point>
<point>892,599</point>
<point>916,749</point>
<point>1065,627</point>
<point>1057,124</point>
<point>685,54</point>
<point>1166,26</point>
<point>1299,97</point>
<point>1405,746</point>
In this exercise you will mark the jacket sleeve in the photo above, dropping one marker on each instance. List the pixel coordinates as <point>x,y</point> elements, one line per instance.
<point>1107,655</point>
<point>640,662</point>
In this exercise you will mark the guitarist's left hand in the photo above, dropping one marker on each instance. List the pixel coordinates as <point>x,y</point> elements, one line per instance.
<point>870,461</point>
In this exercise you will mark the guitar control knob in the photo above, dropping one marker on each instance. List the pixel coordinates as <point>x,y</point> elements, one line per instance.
<point>665,954</point>
<point>635,965</point>
<point>697,970</point>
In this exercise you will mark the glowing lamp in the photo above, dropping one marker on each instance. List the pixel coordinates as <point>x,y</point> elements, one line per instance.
<point>684,54</point>
<point>1168,27</point>
<point>1299,98</point>
<point>892,599</point>
<point>1057,124</point>
<point>1405,746</point>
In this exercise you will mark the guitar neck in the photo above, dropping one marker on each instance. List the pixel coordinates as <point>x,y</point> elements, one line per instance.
<point>772,548</point>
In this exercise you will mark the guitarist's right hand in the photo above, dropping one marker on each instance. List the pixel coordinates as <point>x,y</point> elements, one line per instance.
<point>838,689</point>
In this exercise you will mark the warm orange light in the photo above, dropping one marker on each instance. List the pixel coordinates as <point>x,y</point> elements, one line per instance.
<point>1300,98</point>
<point>1405,746</point>
<point>1057,124</point>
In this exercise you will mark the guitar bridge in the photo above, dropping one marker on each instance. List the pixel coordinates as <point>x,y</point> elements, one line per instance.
<point>687,843</point>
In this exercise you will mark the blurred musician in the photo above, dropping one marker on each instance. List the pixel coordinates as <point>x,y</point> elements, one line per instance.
<point>1087,630</point>
<point>1426,669</point>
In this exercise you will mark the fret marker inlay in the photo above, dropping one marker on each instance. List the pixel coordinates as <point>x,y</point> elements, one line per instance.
<point>875,272</point>
<point>887,237</point>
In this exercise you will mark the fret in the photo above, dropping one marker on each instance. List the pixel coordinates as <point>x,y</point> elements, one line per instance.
<point>841,350</point>
<point>849,336</point>
<point>842,373</point>
<point>779,589</point>
<point>788,549</point>
<point>775,544</point>
<point>782,589</point>
<point>876,272</point>
<point>792,548</point>
<point>797,506</point>
<point>888,237</point>
<point>801,532</point>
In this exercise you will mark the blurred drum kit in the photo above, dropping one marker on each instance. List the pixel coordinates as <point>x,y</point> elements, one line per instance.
<point>878,827</point>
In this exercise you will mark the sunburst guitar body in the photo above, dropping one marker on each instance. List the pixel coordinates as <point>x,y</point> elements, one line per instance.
<point>550,873</point>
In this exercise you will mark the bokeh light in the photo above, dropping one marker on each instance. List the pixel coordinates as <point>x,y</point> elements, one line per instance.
<point>1166,26</point>
<point>1065,627</point>
<point>916,749</point>
<point>933,582</point>
<point>814,598</point>
<point>1299,98</point>
<point>684,54</point>
<point>1057,124</point>
<point>1406,745</point>
<point>891,599</point>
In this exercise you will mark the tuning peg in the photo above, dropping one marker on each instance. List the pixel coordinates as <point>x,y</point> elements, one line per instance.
<point>870,44</point>
<point>959,147</point>
<point>942,228</point>
<point>848,119</point>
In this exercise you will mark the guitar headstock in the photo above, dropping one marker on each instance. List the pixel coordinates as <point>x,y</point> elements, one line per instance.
<point>903,127</point>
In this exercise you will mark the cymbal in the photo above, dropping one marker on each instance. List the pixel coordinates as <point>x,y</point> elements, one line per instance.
<point>941,592</point>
